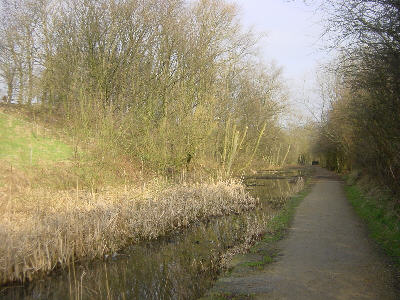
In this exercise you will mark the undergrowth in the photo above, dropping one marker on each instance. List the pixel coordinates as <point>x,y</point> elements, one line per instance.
<point>42,229</point>
<point>60,203</point>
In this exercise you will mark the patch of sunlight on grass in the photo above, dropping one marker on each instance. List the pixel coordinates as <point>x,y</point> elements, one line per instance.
<point>24,144</point>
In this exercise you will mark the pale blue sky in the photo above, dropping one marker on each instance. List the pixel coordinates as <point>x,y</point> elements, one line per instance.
<point>293,40</point>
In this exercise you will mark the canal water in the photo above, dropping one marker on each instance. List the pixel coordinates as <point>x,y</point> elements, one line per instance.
<point>180,266</point>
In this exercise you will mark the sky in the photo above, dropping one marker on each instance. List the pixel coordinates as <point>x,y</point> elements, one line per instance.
<point>293,41</point>
<point>293,31</point>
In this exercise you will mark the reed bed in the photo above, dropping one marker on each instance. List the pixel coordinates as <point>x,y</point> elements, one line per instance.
<point>41,229</point>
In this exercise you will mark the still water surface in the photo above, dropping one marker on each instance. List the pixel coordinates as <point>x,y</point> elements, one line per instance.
<point>181,266</point>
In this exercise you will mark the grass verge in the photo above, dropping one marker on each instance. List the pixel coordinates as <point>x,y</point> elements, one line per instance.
<point>265,250</point>
<point>382,222</point>
<point>277,229</point>
<point>269,227</point>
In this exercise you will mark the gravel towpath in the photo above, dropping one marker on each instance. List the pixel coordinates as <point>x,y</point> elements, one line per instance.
<point>326,255</point>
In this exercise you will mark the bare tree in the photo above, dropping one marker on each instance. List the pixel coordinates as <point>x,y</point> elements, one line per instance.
<point>159,80</point>
<point>366,115</point>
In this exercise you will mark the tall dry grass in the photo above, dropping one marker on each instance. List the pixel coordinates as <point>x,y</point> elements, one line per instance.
<point>41,229</point>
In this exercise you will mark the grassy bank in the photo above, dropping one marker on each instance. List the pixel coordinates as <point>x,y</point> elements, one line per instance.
<point>37,153</point>
<point>272,230</point>
<point>264,251</point>
<point>25,144</point>
<point>381,217</point>
<point>57,206</point>
<point>278,226</point>
<point>30,155</point>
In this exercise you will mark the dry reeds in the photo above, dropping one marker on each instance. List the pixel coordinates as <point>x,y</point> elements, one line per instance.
<point>42,229</point>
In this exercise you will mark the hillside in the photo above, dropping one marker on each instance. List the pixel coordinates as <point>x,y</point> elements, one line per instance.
<point>29,152</point>
<point>50,215</point>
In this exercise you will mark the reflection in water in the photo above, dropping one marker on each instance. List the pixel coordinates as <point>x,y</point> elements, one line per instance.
<point>181,266</point>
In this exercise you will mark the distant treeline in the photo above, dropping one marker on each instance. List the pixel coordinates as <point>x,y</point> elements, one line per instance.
<point>167,82</point>
<point>362,128</point>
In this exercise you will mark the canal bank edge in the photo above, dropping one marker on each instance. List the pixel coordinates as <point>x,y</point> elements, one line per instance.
<point>264,252</point>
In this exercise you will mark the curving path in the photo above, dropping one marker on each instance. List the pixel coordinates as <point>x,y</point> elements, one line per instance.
<point>326,255</point>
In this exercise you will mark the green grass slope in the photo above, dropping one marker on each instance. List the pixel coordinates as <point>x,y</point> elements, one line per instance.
<point>25,144</point>
<point>382,221</point>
